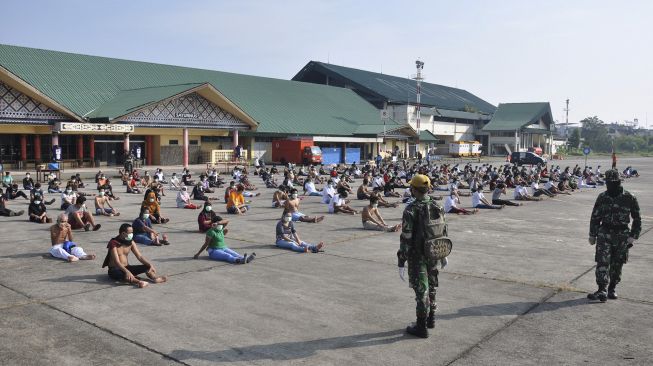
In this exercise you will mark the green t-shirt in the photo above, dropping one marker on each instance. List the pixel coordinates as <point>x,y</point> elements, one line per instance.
<point>217,239</point>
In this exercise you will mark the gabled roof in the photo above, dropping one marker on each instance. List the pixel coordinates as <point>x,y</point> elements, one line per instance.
<point>427,136</point>
<point>515,116</point>
<point>394,89</point>
<point>86,85</point>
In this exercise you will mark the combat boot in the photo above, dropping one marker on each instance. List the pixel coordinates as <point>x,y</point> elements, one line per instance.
<point>600,295</point>
<point>419,329</point>
<point>612,294</point>
<point>430,321</point>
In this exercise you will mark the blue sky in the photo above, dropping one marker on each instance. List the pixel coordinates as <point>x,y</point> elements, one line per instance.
<point>596,53</point>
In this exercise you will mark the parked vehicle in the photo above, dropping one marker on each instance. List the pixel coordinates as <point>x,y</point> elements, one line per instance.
<point>526,158</point>
<point>296,151</point>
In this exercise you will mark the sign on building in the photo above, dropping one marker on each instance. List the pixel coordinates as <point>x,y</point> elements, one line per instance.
<point>92,127</point>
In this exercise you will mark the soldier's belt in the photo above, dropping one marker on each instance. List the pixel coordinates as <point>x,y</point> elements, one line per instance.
<point>614,227</point>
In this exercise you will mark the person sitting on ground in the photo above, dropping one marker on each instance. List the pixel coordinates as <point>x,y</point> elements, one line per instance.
<point>339,204</point>
<point>214,244</point>
<point>198,193</point>
<point>105,183</point>
<point>342,184</point>
<point>117,260</point>
<point>227,191</point>
<point>13,192</point>
<point>183,199</point>
<point>309,188</point>
<point>4,211</point>
<point>78,181</point>
<point>132,185</point>
<point>363,193</point>
<point>376,192</point>
<point>479,200</point>
<point>28,182</point>
<point>204,181</point>
<point>37,191</point>
<point>37,212</point>
<point>68,198</point>
<point>292,205</point>
<point>146,180</point>
<point>551,187</point>
<point>496,196</point>
<point>328,192</point>
<point>451,205</point>
<point>7,180</point>
<point>388,189</point>
<point>144,233</point>
<point>372,219</point>
<point>279,196</point>
<point>63,246</point>
<point>53,185</point>
<point>537,191</point>
<point>521,193</point>
<point>186,178</point>
<point>205,217</point>
<point>151,203</point>
<point>79,217</point>
<point>175,183</point>
<point>103,207</point>
<point>236,203</point>
<point>287,237</point>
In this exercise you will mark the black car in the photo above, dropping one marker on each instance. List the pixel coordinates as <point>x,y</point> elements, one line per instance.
<point>526,158</point>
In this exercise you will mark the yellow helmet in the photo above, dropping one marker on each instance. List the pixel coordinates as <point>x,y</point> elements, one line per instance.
<point>419,181</point>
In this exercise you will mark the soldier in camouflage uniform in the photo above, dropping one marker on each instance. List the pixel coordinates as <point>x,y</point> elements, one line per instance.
<point>422,275</point>
<point>610,232</point>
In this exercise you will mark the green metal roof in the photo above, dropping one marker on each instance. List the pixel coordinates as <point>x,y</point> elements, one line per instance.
<point>515,116</point>
<point>130,100</point>
<point>427,136</point>
<point>91,85</point>
<point>396,89</point>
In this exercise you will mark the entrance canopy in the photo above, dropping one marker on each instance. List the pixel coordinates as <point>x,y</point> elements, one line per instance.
<point>521,117</point>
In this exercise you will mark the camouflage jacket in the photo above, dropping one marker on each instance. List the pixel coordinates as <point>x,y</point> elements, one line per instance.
<point>616,212</point>
<point>410,232</point>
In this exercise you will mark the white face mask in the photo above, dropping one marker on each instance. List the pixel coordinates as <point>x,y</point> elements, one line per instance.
<point>294,195</point>
<point>37,202</point>
<point>151,199</point>
<point>219,227</point>
<point>286,218</point>
<point>146,216</point>
<point>208,208</point>
<point>375,205</point>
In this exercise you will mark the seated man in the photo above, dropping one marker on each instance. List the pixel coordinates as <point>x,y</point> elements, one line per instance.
<point>79,217</point>
<point>68,197</point>
<point>479,200</point>
<point>496,196</point>
<point>236,203</point>
<point>175,183</point>
<point>132,185</point>
<point>339,204</point>
<point>7,180</point>
<point>37,212</point>
<point>309,188</point>
<point>103,207</point>
<point>54,185</point>
<point>118,262</point>
<point>372,219</point>
<point>287,237</point>
<point>28,182</point>
<point>521,193</point>
<point>37,191</point>
<point>551,187</point>
<point>328,192</point>
<point>4,211</point>
<point>363,193</point>
<point>279,196</point>
<point>13,192</point>
<point>292,205</point>
<point>144,233</point>
<point>63,246</point>
<point>451,206</point>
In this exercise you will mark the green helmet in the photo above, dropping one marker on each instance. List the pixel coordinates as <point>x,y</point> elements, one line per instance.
<point>612,175</point>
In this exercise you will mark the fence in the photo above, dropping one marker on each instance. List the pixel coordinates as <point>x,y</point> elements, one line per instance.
<point>225,155</point>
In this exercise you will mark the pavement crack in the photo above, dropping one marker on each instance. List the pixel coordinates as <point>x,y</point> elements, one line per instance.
<point>108,331</point>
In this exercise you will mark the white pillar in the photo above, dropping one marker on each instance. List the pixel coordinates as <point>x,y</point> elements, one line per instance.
<point>235,138</point>
<point>185,147</point>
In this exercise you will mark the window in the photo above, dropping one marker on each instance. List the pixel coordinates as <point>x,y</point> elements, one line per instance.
<point>193,142</point>
<point>173,142</point>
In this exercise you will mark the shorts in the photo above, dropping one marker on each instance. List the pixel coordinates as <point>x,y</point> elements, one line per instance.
<point>98,211</point>
<point>116,274</point>
<point>361,196</point>
<point>297,215</point>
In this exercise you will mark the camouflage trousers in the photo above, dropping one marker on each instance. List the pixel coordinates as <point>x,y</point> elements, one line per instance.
<point>611,254</point>
<point>423,278</point>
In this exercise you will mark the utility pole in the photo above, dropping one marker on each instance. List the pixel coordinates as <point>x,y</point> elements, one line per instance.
<point>418,78</point>
<point>567,119</point>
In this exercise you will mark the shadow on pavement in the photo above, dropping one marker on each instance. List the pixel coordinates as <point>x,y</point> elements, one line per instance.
<point>286,351</point>
<point>513,308</point>
<point>90,278</point>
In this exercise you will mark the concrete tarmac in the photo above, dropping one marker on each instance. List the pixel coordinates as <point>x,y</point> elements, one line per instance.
<point>514,292</point>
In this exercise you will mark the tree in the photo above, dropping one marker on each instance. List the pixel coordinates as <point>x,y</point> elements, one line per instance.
<point>595,134</point>
<point>574,139</point>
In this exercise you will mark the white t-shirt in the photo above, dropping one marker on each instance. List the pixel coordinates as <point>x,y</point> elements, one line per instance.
<point>449,202</point>
<point>476,198</point>
<point>310,187</point>
<point>548,185</point>
<point>377,182</point>
<point>520,191</point>
<point>336,201</point>
<point>327,193</point>
<point>535,186</point>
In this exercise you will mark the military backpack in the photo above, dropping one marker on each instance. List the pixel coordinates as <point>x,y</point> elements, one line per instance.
<point>433,227</point>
